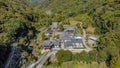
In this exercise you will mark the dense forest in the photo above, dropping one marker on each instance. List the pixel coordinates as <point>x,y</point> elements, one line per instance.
<point>103,13</point>
<point>33,2</point>
<point>25,18</point>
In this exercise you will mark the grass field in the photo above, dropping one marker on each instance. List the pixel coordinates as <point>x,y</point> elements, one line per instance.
<point>77,65</point>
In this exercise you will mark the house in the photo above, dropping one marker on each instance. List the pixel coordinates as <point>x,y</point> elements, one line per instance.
<point>71,29</point>
<point>47,44</point>
<point>92,40</point>
<point>54,25</point>
<point>48,32</point>
<point>65,36</point>
<point>77,40</point>
<point>57,44</point>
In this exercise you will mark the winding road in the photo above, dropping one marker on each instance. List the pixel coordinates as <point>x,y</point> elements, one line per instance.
<point>84,41</point>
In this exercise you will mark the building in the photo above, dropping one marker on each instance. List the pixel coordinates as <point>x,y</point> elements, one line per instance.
<point>54,25</point>
<point>71,29</point>
<point>92,40</point>
<point>48,32</point>
<point>47,44</point>
<point>69,40</point>
<point>57,44</point>
<point>77,40</point>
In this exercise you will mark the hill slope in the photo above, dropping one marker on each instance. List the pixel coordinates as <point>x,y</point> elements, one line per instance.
<point>14,20</point>
<point>100,11</point>
<point>33,2</point>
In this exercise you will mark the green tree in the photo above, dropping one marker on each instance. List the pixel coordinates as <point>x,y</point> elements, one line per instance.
<point>23,41</point>
<point>63,56</point>
<point>61,27</point>
<point>85,19</point>
<point>115,62</point>
<point>78,25</point>
<point>84,56</point>
<point>43,36</point>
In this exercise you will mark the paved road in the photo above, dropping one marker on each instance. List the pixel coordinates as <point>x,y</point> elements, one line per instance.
<point>39,60</point>
<point>43,60</point>
<point>11,55</point>
<point>84,41</point>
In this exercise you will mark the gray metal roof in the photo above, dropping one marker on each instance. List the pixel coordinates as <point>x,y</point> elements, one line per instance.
<point>55,25</point>
<point>70,43</point>
<point>93,38</point>
<point>65,36</point>
<point>56,43</point>
<point>48,30</point>
<point>47,43</point>
<point>77,41</point>
<point>78,36</point>
<point>71,28</point>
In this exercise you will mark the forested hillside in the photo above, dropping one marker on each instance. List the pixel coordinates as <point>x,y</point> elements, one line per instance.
<point>103,13</point>
<point>17,19</point>
<point>27,20</point>
<point>33,2</point>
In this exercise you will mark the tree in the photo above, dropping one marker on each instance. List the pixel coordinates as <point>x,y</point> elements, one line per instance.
<point>85,19</point>
<point>30,34</point>
<point>101,56</point>
<point>115,62</point>
<point>92,55</point>
<point>61,27</point>
<point>63,56</point>
<point>43,36</point>
<point>47,24</point>
<point>108,18</point>
<point>78,25</point>
<point>23,41</point>
<point>84,56</point>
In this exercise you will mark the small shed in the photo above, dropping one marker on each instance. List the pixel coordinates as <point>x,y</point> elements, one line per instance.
<point>92,40</point>
<point>54,25</point>
<point>48,32</point>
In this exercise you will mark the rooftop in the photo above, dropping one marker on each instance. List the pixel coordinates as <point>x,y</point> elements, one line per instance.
<point>56,43</point>
<point>65,36</point>
<point>78,36</point>
<point>47,43</point>
<point>70,42</point>
<point>55,24</point>
<point>93,38</point>
<point>48,30</point>
<point>73,28</point>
